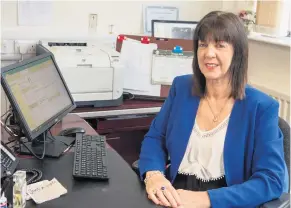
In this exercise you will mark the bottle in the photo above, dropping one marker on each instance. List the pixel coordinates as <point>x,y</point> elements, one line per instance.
<point>19,189</point>
<point>3,202</point>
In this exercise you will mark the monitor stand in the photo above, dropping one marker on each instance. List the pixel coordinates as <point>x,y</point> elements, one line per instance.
<point>54,147</point>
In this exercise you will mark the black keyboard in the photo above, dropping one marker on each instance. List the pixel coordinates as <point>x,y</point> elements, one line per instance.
<point>90,157</point>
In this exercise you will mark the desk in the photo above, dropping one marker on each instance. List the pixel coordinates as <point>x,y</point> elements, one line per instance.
<point>129,107</point>
<point>122,190</point>
<point>126,132</point>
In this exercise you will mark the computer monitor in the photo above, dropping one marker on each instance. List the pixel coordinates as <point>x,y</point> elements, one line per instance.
<point>173,29</point>
<point>39,98</point>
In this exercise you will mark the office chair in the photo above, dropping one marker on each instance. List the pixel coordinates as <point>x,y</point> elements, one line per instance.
<point>285,128</point>
<point>284,200</point>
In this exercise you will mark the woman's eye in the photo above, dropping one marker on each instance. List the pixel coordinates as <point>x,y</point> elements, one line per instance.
<point>221,44</point>
<point>202,45</point>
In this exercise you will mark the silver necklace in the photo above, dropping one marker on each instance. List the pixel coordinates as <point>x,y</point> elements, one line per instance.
<point>215,117</point>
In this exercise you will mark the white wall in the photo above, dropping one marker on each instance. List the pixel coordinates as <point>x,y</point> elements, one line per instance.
<point>269,70</point>
<point>71,18</point>
<point>269,66</point>
<point>237,6</point>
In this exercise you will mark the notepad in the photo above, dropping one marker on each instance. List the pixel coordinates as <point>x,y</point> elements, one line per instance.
<point>47,191</point>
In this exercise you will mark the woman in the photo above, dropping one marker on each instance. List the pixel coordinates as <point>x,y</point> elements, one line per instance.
<point>222,136</point>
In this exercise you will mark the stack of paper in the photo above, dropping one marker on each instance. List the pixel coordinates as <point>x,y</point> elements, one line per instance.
<point>137,61</point>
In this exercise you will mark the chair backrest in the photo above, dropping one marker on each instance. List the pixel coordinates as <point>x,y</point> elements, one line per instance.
<point>285,128</point>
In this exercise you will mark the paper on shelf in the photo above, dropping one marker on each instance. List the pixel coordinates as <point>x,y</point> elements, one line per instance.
<point>137,60</point>
<point>166,68</point>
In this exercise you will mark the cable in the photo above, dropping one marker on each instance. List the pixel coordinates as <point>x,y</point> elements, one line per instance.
<point>10,142</point>
<point>6,103</point>
<point>40,158</point>
<point>13,134</point>
<point>36,175</point>
<point>128,96</point>
<point>7,117</point>
<point>8,130</point>
<point>16,129</point>
<point>54,139</point>
<point>9,110</point>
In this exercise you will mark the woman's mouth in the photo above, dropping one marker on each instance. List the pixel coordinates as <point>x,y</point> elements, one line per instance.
<point>211,66</point>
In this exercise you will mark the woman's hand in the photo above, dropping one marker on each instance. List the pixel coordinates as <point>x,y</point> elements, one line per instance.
<point>192,199</point>
<point>161,191</point>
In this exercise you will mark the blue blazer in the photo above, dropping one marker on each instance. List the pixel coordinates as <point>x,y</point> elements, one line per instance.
<point>255,169</point>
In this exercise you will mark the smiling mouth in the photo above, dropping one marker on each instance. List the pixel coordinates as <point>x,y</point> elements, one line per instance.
<point>211,66</point>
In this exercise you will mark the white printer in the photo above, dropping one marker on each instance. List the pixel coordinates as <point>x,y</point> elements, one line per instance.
<point>93,74</point>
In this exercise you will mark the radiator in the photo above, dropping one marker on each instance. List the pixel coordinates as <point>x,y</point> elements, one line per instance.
<point>283,99</point>
<point>284,108</point>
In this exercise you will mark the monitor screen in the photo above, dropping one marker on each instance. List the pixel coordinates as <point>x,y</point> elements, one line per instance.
<point>174,29</point>
<point>37,93</point>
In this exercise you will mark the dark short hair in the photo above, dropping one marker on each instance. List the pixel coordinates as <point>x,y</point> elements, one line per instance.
<point>223,26</point>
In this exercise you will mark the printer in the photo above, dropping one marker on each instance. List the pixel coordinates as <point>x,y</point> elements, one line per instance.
<point>92,73</point>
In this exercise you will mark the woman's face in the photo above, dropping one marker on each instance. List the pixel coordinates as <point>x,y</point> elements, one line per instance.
<point>214,58</point>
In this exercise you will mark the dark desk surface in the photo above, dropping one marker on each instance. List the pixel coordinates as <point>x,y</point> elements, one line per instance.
<point>122,190</point>
<point>127,104</point>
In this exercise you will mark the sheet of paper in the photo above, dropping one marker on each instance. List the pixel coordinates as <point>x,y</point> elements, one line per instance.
<point>46,192</point>
<point>33,186</point>
<point>137,60</point>
<point>166,68</point>
<point>35,13</point>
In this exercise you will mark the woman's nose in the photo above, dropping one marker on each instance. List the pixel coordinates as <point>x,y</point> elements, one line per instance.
<point>210,52</point>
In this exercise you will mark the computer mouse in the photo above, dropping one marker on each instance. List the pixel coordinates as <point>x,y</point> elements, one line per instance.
<point>71,132</point>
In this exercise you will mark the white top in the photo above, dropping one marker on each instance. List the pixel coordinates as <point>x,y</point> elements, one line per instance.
<point>204,154</point>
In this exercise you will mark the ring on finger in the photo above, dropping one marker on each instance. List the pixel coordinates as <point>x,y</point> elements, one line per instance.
<point>163,189</point>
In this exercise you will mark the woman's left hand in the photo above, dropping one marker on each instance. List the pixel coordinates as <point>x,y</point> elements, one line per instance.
<point>194,199</point>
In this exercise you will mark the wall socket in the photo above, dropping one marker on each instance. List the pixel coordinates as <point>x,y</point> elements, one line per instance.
<point>7,46</point>
<point>25,46</point>
<point>92,22</point>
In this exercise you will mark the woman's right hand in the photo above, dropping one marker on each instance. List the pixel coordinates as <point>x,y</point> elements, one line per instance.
<point>161,191</point>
